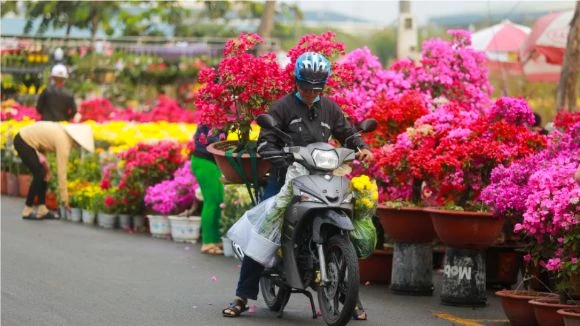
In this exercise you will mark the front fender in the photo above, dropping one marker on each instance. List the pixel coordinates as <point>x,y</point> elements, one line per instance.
<point>333,217</point>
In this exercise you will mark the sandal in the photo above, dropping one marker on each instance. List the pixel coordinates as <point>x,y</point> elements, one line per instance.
<point>48,216</point>
<point>211,249</point>
<point>31,216</point>
<point>359,313</point>
<point>235,308</point>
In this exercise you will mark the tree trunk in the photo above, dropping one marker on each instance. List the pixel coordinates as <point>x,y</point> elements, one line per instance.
<point>267,21</point>
<point>568,86</point>
<point>94,28</point>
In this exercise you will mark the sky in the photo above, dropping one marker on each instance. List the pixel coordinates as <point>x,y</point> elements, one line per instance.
<point>386,11</point>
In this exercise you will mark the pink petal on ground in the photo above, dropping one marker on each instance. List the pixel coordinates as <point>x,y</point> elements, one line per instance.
<point>367,283</point>
<point>318,313</point>
<point>213,278</point>
<point>186,248</point>
<point>194,307</point>
<point>252,309</point>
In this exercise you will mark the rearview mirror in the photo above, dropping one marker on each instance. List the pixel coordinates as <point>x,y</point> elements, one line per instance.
<point>368,125</point>
<point>266,121</point>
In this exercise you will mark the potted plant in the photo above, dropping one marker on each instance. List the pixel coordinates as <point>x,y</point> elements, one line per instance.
<point>542,197</point>
<point>237,91</point>
<point>454,150</point>
<point>108,208</point>
<point>137,168</point>
<point>171,197</point>
<point>90,199</point>
<point>75,200</point>
<point>550,221</point>
<point>236,202</point>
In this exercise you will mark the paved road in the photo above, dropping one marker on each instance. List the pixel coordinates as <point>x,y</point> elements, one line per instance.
<point>63,273</point>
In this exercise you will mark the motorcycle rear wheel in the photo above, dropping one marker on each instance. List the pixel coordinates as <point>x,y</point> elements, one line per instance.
<point>274,296</point>
<point>337,299</point>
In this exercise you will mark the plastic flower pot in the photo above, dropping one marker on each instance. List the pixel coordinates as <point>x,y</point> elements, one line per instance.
<point>139,223</point>
<point>571,316</point>
<point>125,221</point>
<point>219,149</point>
<point>406,224</point>
<point>378,267</point>
<point>75,214</point>
<point>62,212</point>
<point>24,181</point>
<point>107,221</point>
<point>546,311</point>
<point>12,188</point>
<point>159,226</point>
<point>89,217</point>
<point>465,230</point>
<point>185,229</point>
<point>517,308</point>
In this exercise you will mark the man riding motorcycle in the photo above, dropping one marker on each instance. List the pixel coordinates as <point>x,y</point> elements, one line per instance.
<point>307,117</point>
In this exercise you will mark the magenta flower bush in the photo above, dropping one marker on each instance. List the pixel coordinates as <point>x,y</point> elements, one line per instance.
<point>542,195</point>
<point>514,110</point>
<point>450,70</point>
<point>175,195</point>
<point>369,82</point>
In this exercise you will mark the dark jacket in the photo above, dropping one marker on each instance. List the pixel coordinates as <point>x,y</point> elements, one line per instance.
<point>56,104</point>
<point>200,150</point>
<point>307,126</point>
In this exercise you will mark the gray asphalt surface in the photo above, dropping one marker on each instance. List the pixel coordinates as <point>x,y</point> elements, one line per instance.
<point>63,273</point>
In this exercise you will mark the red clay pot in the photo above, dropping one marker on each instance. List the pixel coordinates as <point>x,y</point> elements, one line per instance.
<point>377,268</point>
<point>24,181</point>
<point>517,308</point>
<point>546,311</point>
<point>218,150</point>
<point>502,265</point>
<point>465,230</point>
<point>12,184</point>
<point>406,224</point>
<point>571,316</point>
<point>51,201</point>
<point>4,181</point>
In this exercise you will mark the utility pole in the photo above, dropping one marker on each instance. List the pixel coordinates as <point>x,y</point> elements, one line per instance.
<point>407,37</point>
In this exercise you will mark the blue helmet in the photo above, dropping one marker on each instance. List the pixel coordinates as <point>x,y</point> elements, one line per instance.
<point>312,70</point>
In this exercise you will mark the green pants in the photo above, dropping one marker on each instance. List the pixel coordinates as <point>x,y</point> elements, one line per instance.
<point>208,176</point>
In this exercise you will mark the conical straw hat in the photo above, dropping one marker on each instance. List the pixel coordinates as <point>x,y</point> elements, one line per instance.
<point>82,134</point>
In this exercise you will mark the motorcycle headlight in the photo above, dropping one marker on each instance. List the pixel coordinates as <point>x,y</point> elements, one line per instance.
<point>327,160</point>
<point>304,196</point>
<point>348,199</point>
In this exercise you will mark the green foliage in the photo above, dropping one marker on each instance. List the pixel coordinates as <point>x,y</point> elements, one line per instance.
<point>143,21</point>
<point>384,45</point>
<point>68,14</point>
<point>7,7</point>
<point>216,9</point>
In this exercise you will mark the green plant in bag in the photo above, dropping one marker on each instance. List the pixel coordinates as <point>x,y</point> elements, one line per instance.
<point>364,237</point>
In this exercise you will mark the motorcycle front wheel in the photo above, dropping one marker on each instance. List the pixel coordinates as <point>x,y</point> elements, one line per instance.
<point>337,299</point>
<point>273,295</point>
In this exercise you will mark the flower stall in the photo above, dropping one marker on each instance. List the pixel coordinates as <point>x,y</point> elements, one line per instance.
<point>452,164</point>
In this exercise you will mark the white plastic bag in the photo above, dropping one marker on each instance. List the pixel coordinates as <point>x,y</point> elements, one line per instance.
<point>258,231</point>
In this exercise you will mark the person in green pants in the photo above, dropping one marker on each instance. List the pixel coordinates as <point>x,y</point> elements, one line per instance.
<point>208,177</point>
